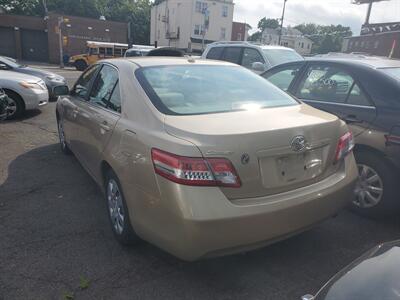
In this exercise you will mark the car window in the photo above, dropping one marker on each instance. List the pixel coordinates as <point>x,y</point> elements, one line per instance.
<point>215,53</point>
<point>251,56</point>
<point>103,86</point>
<point>283,78</point>
<point>325,83</point>
<point>205,89</point>
<point>357,97</point>
<point>232,54</point>
<point>82,86</point>
<point>115,100</point>
<point>280,56</point>
<point>109,51</point>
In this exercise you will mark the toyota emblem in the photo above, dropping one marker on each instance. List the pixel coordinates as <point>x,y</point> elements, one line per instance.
<point>245,159</point>
<point>298,143</point>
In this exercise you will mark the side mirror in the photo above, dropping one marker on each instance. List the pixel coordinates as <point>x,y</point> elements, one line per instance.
<point>61,90</point>
<point>258,67</point>
<point>4,67</point>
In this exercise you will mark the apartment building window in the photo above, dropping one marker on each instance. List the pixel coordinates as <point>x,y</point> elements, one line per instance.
<point>302,45</point>
<point>223,33</point>
<point>225,11</point>
<point>198,6</point>
<point>196,29</point>
<point>201,7</point>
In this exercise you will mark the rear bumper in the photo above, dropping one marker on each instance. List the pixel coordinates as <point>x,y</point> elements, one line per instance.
<point>199,223</point>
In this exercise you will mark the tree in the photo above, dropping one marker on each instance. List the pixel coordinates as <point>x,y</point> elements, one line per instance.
<point>255,37</point>
<point>267,23</point>
<point>326,38</point>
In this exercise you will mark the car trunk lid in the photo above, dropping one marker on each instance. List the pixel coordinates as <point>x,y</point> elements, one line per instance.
<point>265,145</point>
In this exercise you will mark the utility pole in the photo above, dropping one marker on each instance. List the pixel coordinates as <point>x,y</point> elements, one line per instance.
<point>370,3</point>
<point>60,41</point>
<point>282,19</point>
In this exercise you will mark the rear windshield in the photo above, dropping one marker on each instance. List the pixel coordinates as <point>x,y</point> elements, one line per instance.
<point>394,72</point>
<point>280,56</point>
<point>190,89</point>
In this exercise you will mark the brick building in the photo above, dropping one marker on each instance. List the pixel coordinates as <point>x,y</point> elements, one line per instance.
<point>381,39</point>
<point>37,39</point>
<point>240,31</point>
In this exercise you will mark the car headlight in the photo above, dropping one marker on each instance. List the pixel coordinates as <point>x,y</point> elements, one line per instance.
<point>33,85</point>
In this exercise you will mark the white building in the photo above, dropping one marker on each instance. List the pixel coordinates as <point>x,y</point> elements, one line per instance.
<point>291,38</point>
<point>182,23</point>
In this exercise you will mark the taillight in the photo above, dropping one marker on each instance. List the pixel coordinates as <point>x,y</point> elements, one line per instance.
<point>195,170</point>
<point>345,146</point>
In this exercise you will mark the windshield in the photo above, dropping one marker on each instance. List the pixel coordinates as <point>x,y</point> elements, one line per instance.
<point>10,62</point>
<point>188,89</point>
<point>280,56</point>
<point>394,72</point>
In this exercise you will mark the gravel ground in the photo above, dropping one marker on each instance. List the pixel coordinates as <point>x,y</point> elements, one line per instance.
<point>56,242</point>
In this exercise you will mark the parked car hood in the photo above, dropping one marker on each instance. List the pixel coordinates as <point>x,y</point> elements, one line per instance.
<point>37,72</point>
<point>13,76</point>
<point>375,275</point>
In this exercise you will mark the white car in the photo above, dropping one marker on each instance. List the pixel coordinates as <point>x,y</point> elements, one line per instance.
<point>24,91</point>
<point>257,58</point>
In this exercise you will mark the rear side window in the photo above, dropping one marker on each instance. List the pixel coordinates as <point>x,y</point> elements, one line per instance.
<point>206,89</point>
<point>232,54</point>
<point>215,53</point>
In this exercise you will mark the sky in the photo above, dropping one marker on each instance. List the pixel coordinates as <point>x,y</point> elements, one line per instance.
<point>323,12</point>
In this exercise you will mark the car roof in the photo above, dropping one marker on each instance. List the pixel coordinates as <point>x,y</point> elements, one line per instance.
<point>247,44</point>
<point>373,62</point>
<point>275,47</point>
<point>143,61</point>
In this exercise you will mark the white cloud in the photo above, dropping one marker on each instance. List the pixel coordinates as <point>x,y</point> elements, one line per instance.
<point>316,11</point>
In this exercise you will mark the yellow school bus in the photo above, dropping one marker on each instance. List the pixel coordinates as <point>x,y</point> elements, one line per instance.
<point>96,51</point>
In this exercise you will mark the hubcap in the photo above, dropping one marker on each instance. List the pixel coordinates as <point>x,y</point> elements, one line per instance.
<point>115,206</point>
<point>369,189</point>
<point>12,107</point>
<point>61,134</point>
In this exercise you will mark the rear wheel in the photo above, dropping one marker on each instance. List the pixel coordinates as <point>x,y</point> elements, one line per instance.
<point>376,187</point>
<point>118,211</point>
<point>16,105</point>
<point>81,65</point>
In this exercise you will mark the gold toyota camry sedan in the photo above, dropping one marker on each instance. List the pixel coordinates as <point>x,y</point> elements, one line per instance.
<point>204,158</point>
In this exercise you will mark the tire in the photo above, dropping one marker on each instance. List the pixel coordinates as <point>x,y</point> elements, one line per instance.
<point>371,164</point>
<point>80,65</point>
<point>116,208</point>
<point>16,105</point>
<point>61,135</point>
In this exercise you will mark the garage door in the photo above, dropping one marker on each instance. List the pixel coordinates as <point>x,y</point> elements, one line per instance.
<point>7,44</point>
<point>34,45</point>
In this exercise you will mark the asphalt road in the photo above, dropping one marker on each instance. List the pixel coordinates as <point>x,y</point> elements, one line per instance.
<point>56,242</point>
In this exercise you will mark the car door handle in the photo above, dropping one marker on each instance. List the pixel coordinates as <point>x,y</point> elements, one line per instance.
<point>351,119</point>
<point>104,125</point>
<point>75,112</point>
